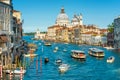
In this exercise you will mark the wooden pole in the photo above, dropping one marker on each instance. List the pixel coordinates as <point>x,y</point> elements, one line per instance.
<point>10,75</point>
<point>0,71</point>
<point>21,73</point>
<point>40,64</point>
<point>36,65</point>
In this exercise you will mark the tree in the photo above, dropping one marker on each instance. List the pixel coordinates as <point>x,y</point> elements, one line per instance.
<point>111,28</point>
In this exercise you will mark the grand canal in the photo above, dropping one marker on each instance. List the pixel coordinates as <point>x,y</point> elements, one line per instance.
<point>90,69</point>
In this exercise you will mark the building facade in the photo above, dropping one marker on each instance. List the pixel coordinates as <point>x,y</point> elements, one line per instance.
<point>117,33</point>
<point>6,26</point>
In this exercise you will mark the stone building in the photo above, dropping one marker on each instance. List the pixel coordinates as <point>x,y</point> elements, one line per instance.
<point>117,33</point>
<point>6,26</point>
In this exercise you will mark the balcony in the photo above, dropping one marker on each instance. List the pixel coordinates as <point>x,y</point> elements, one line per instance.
<point>3,32</point>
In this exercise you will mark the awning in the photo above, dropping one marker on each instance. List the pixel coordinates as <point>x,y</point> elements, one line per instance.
<point>3,39</point>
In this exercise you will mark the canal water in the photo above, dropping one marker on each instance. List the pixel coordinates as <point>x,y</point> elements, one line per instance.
<point>91,69</point>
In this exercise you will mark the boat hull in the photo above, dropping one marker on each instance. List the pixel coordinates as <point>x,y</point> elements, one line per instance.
<point>17,72</point>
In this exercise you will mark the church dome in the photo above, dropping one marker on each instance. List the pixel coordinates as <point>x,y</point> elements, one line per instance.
<point>74,19</point>
<point>62,18</point>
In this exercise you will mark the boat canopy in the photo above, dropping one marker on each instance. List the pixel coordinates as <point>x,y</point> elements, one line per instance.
<point>77,51</point>
<point>95,50</point>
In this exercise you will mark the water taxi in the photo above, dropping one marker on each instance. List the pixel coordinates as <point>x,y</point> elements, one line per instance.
<point>78,54</point>
<point>96,52</point>
<point>110,59</point>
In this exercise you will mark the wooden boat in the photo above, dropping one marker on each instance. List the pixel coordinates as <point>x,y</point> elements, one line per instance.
<point>110,59</point>
<point>96,52</point>
<point>63,67</point>
<point>30,55</point>
<point>78,54</point>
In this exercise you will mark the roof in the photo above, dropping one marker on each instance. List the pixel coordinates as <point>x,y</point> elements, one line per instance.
<point>95,50</point>
<point>77,51</point>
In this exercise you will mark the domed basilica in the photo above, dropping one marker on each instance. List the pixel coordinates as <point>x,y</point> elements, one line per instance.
<point>63,19</point>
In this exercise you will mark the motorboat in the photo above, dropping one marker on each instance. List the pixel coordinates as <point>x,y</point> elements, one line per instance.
<point>58,61</point>
<point>56,49</point>
<point>78,54</point>
<point>96,52</point>
<point>64,50</point>
<point>110,59</point>
<point>109,48</point>
<point>16,71</point>
<point>47,44</point>
<point>63,67</point>
<point>30,55</point>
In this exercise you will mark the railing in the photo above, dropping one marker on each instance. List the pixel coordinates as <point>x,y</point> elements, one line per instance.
<point>3,32</point>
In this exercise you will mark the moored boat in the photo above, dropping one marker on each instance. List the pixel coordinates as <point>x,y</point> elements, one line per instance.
<point>110,59</point>
<point>16,71</point>
<point>96,52</point>
<point>30,55</point>
<point>78,54</point>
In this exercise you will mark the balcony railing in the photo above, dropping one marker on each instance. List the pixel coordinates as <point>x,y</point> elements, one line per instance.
<point>3,32</point>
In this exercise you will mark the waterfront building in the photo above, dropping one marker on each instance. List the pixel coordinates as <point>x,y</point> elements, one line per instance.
<point>65,36</point>
<point>51,33</point>
<point>39,35</point>
<point>75,32</point>
<point>6,32</point>
<point>17,37</point>
<point>110,39</point>
<point>117,33</point>
<point>62,19</point>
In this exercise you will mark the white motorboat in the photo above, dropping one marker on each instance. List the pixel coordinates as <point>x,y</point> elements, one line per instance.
<point>78,54</point>
<point>64,50</point>
<point>47,44</point>
<point>110,59</point>
<point>63,67</point>
<point>58,61</point>
<point>96,52</point>
<point>30,55</point>
<point>109,48</point>
<point>56,48</point>
<point>16,71</point>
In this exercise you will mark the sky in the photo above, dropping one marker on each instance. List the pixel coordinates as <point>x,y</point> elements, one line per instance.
<point>43,13</point>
